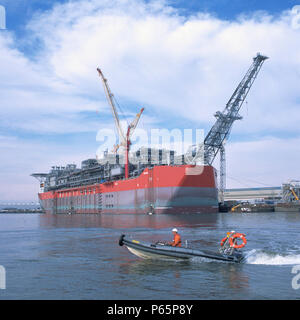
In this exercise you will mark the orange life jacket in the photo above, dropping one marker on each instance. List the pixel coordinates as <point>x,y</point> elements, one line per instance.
<point>176,240</point>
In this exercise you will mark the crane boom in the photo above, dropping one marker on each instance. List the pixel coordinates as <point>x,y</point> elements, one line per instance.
<point>135,122</point>
<point>124,139</point>
<point>109,97</point>
<point>294,194</point>
<point>132,127</point>
<point>221,129</point>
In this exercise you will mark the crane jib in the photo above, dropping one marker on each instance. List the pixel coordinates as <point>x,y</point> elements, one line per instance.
<point>221,129</point>
<point>125,139</point>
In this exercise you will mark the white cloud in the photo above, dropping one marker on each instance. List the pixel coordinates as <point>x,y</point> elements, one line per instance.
<point>22,157</point>
<point>151,54</point>
<point>37,101</point>
<point>183,67</point>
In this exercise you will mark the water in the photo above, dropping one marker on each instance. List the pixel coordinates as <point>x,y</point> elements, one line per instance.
<point>78,257</point>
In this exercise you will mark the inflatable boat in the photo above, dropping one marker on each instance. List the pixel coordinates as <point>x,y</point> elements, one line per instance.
<point>160,250</point>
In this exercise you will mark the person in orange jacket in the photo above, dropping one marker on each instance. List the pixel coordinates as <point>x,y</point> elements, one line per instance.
<point>177,239</point>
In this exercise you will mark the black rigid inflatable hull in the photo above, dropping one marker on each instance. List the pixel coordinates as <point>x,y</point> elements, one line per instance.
<point>148,250</point>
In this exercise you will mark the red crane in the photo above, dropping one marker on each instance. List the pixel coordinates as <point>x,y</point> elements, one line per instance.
<point>124,139</point>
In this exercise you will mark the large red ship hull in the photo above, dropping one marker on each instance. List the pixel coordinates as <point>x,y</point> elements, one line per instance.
<point>162,189</point>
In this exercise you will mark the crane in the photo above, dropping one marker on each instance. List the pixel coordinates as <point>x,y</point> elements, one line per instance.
<point>221,129</point>
<point>235,207</point>
<point>132,127</point>
<point>294,194</point>
<point>222,173</point>
<point>125,139</point>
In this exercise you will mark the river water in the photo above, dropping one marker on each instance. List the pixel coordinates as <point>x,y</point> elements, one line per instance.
<point>78,257</point>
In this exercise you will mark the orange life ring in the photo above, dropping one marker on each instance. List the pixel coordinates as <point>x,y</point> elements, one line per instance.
<point>223,241</point>
<point>240,236</point>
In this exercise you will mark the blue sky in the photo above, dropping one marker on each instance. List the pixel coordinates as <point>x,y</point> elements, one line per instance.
<point>226,9</point>
<point>19,12</point>
<point>181,60</point>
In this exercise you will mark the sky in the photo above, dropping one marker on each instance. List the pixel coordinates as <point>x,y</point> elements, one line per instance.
<point>180,60</point>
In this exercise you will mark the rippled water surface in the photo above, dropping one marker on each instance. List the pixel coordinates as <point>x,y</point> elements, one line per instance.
<point>78,257</point>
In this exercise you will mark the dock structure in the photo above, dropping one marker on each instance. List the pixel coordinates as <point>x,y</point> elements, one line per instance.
<point>246,194</point>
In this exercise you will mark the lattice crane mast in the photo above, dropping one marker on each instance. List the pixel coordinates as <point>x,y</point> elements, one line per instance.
<point>221,129</point>
<point>124,139</point>
<point>110,96</point>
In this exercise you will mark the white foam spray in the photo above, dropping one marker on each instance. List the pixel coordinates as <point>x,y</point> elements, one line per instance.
<point>264,258</point>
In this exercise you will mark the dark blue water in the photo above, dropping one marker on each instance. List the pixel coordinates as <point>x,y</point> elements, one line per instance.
<point>78,257</point>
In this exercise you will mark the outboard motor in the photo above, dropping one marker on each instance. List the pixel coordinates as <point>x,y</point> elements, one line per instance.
<point>121,242</point>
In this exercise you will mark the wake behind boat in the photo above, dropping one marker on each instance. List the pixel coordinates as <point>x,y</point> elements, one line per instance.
<point>160,250</point>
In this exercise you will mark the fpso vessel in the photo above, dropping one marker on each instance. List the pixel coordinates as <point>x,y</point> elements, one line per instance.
<point>167,187</point>
<point>153,181</point>
<point>152,189</point>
